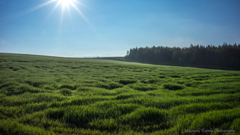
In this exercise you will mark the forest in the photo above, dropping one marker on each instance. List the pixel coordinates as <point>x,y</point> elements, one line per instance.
<point>224,56</point>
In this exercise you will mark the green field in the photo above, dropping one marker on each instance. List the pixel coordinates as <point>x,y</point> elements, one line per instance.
<point>53,95</point>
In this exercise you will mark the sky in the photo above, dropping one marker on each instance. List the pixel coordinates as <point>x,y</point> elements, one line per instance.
<point>107,28</point>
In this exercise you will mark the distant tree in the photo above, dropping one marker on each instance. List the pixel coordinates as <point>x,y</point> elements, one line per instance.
<point>225,56</point>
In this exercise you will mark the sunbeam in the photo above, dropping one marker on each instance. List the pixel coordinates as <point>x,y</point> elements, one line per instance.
<point>65,5</point>
<point>27,11</point>
<point>53,9</point>
<point>69,6</point>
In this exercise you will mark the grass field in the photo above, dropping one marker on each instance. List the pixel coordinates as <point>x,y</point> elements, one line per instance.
<point>53,95</point>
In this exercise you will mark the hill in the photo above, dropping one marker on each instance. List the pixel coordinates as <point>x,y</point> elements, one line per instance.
<point>54,95</point>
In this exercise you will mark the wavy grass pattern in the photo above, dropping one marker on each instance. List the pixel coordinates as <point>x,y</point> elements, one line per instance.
<point>50,95</point>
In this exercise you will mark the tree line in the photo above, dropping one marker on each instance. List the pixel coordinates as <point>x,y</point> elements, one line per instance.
<point>224,56</point>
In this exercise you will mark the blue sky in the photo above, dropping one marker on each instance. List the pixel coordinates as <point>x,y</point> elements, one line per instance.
<point>112,27</point>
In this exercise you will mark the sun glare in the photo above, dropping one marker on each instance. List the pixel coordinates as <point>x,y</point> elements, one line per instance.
<point>65,2</point>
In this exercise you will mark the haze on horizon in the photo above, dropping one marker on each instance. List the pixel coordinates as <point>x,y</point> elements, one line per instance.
<point>90,28</point>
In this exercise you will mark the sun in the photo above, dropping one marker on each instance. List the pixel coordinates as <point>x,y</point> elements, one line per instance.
<point>65,3</point>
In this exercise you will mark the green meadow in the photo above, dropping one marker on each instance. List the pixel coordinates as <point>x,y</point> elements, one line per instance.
<point>54,95</point>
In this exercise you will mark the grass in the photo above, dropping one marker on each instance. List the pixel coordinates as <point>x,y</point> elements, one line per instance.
<point>53,95</point>
<point>172,86</point>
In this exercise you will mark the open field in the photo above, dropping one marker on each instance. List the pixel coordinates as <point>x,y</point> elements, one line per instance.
<point>53,95</point>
